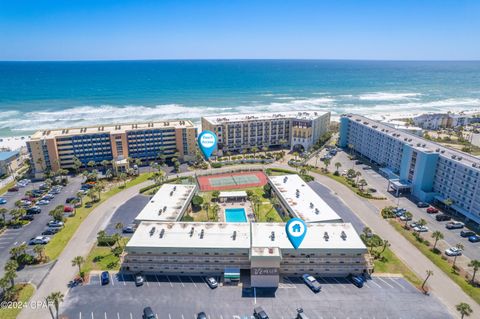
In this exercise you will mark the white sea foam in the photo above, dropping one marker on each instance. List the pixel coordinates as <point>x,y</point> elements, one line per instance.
<point>387,96</point>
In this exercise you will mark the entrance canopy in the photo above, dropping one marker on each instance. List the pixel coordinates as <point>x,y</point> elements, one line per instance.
<point>399,186</point>
<point>237,194</point>
<point>232,274</point>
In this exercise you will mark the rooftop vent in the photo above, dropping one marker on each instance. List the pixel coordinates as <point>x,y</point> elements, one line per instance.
<point>325,236</point>
<point>317,211</point>
<point>234,236</point>
<point>152,231</point>
<point>343,235</point>
<point>311,205</point>
<point>202,232</point>
<point>272,236</point>
<point>191,231</point>
<point>162,233</point>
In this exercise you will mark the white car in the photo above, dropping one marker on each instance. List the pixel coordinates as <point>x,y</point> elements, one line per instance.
<point>43,202</point>
<point>421,229</point>
<point>453,251</point>
<point>39,240</point>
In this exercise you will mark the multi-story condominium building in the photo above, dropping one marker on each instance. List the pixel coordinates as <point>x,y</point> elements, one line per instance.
<point>10,161</point>
<point>435,121</point>
<point>54,149</point>
<point>263,249</point>
<point>430,171</point>
<point>296,130</point>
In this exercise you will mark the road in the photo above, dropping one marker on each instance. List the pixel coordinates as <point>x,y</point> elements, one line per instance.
<point>14,237</point>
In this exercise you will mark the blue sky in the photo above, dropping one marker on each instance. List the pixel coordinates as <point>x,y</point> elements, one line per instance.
<point>342,29</point>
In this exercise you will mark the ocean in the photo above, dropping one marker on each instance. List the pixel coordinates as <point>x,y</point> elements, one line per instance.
<point>41,95</point>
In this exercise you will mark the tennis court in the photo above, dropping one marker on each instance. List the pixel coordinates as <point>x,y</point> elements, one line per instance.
<point>231,181</point>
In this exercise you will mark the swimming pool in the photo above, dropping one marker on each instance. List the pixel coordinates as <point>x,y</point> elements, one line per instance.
<point>235,215</point>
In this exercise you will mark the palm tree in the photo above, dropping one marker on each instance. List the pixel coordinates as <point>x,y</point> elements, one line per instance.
<point>437,235</point>
<point>362,183</point>
<point>408,216</point>
<point>265,149</point>
<point>99,187</point>
<point>460,247</point>
<point>475,264</point>
<point>254,150</point>
<point>11,271</point>
<point>3,212</point>
<point>448,203</point>
<point>123,177</point>
<point>78,261</point>
<point>105,164</point>
<point>464,309</point>
<point>337,166</point>
<point>56,298</point>
<point>326,162</point>
<point>229,154</point>
<point>91,164</point>
<point>357,174</point>
<point>429,273</point>
<point>40,251</point>
<point>215,208</point>
<point>206,207</point>
<point>80,195</point>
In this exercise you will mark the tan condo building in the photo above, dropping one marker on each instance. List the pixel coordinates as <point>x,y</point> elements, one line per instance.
<point>55,149</point>
<point>297,130</point>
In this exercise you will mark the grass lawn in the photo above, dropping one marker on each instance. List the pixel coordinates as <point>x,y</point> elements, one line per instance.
<point>201,215</point>
<point>391,264</point>
<point>473,292</point>
<point>54,248</point>
<point>25,293</point>
<point>5,188</point>
<point>102,258</point>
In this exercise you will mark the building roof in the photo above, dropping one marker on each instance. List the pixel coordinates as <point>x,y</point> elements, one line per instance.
<point>318,236</point>
<point>168,203</point>
<point>7,155</point>
<point>112,128</point>
<point>302,200</point>
<point>189,235</point>
<point>417,142</point>
<point>228,118</point>
<point>233,194</point>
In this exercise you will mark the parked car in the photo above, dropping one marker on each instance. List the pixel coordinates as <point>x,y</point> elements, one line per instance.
<point>453,251</point>
<point>312,283</point>
<point>70,200</point>
<point>301,314</point>
<point>420,229</point>
<point>201,315</point>
<point>211,282</point>
<point>139,280</point>
<point>27,217</point>
<point>105,278</point>
<point>39,240</point>
<point>423,205</point>
<point>67,209</point>
<point>130,229</point>
<point>43,202</point>
<point>50,231</point>
<point>356,280</point>
<point>455,225</point>
<point>467,233</point>
<point>432,210</point>
<point>474,239</point>
<point>3,201</point>
<point>13,189</point>
<point>55,223</point>
<point>442,217</point>
<point>148,313</point>
<point>405,218</point>
<point>259,313</point>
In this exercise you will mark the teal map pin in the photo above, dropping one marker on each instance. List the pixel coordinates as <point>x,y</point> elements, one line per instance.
<point>296,230</point>
<point>207,142</point>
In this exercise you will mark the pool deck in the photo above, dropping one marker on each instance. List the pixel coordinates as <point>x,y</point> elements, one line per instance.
<point>245,205</point>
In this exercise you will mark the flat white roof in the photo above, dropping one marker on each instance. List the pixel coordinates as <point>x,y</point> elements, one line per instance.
<point>233,194</point>
<point>189,235</point>
<point>168,204</point>
<point>305,115</point>
<point>302,200</point>
<point>319,236</point>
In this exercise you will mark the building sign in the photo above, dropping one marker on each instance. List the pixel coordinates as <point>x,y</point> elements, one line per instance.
<point>261,271</point>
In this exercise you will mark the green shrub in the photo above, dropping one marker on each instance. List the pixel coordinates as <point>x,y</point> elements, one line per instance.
<point>216,165</point>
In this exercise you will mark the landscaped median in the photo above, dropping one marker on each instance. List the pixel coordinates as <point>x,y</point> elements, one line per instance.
<point>24,293</point>
<point>437,259</point>
<point>54,248</point>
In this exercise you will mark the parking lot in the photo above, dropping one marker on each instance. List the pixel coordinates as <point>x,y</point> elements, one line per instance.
<point>184,296</point>
<point>126,213</point>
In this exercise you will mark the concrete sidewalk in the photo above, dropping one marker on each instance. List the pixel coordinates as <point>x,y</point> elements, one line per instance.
<point>441,285</point>
<point>79,245</point>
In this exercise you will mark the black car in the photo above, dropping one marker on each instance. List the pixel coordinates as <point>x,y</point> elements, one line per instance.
<point>443,217</point>
<point>70,200</point>
<point>51,231</point>
<point>259,313</point>
<point>422,205</point>
<point>467,233</point>
<point>356,280</point>
<point>201,315</point>
<point>148,313</point>
<point>105,278</point>
<point>27,217</point>
<point>34,210</point>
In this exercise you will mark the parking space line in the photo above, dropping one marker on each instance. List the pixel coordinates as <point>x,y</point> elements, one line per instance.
<point>158,281</point>
<point>105,315</point>
<point>205,281</point>
<point>131,316</point>
<point>123,279</point>
<point>181,281</point>
<point>113,282</point>
<point>373,282</point>
<point>169,317</point>
<point>391,279</point>
<point>170,282</point>
<point>183,316</point>
<point>146,281</point>
<point>338,282</point>
<point>92,315</point>
<point>118,315</point>
<point>193,281</point>
<point>385,282</point>
<point>80,315</point>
